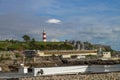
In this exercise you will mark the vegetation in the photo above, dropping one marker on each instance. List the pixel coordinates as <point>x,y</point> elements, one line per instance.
<point>29,43</point>
<point>32,44</point>
<point>26,38</point>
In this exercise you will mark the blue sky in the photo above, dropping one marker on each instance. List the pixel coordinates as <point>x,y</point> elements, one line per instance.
<point>96,21</point>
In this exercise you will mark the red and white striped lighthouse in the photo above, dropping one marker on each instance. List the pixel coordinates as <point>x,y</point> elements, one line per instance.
<point>44,36</point>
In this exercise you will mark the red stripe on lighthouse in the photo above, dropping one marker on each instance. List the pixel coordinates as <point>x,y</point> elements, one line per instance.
<point>44,36</point>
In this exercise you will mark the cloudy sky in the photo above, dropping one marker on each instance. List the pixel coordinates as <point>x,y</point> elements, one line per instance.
<point>96,21</point>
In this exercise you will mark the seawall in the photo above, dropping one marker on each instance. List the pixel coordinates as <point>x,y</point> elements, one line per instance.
<point>102,76</point>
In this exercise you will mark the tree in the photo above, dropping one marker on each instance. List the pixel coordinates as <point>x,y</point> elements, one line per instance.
<point>32,44</point>
<point>33,40</point>
<point>26,38</point>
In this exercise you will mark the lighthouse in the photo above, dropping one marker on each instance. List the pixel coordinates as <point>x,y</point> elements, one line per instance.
<point>44,36</point>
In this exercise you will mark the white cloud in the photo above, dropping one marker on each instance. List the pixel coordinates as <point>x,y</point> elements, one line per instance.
<point>53,21</point>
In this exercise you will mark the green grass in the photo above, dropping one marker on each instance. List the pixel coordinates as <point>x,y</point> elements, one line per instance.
<point>39,45</point>
<point>42,43</point>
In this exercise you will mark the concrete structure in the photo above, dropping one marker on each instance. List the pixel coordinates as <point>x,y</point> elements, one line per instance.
<point>67,53</point>
<point>76,69</point>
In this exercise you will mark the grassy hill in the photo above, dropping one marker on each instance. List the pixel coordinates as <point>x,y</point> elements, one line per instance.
<point>31,45</point>
<point>39,45</point>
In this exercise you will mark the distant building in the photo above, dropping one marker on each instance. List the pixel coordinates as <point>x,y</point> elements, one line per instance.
<point>63,53</point>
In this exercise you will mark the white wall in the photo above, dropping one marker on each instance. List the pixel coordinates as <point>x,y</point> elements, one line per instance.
<point>0,68</point>
<point>60,70</point>
<point>23,70</point>
<point>76,69</point>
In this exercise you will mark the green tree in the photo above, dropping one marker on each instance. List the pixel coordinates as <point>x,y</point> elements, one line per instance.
<point>26,38</point>
<point>33,40</point>
<point>32,44</point>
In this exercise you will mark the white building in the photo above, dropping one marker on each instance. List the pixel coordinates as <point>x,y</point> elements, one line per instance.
<point>106,54</point>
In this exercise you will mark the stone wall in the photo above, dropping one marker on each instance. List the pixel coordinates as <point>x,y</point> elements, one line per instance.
<point>102,76</point>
